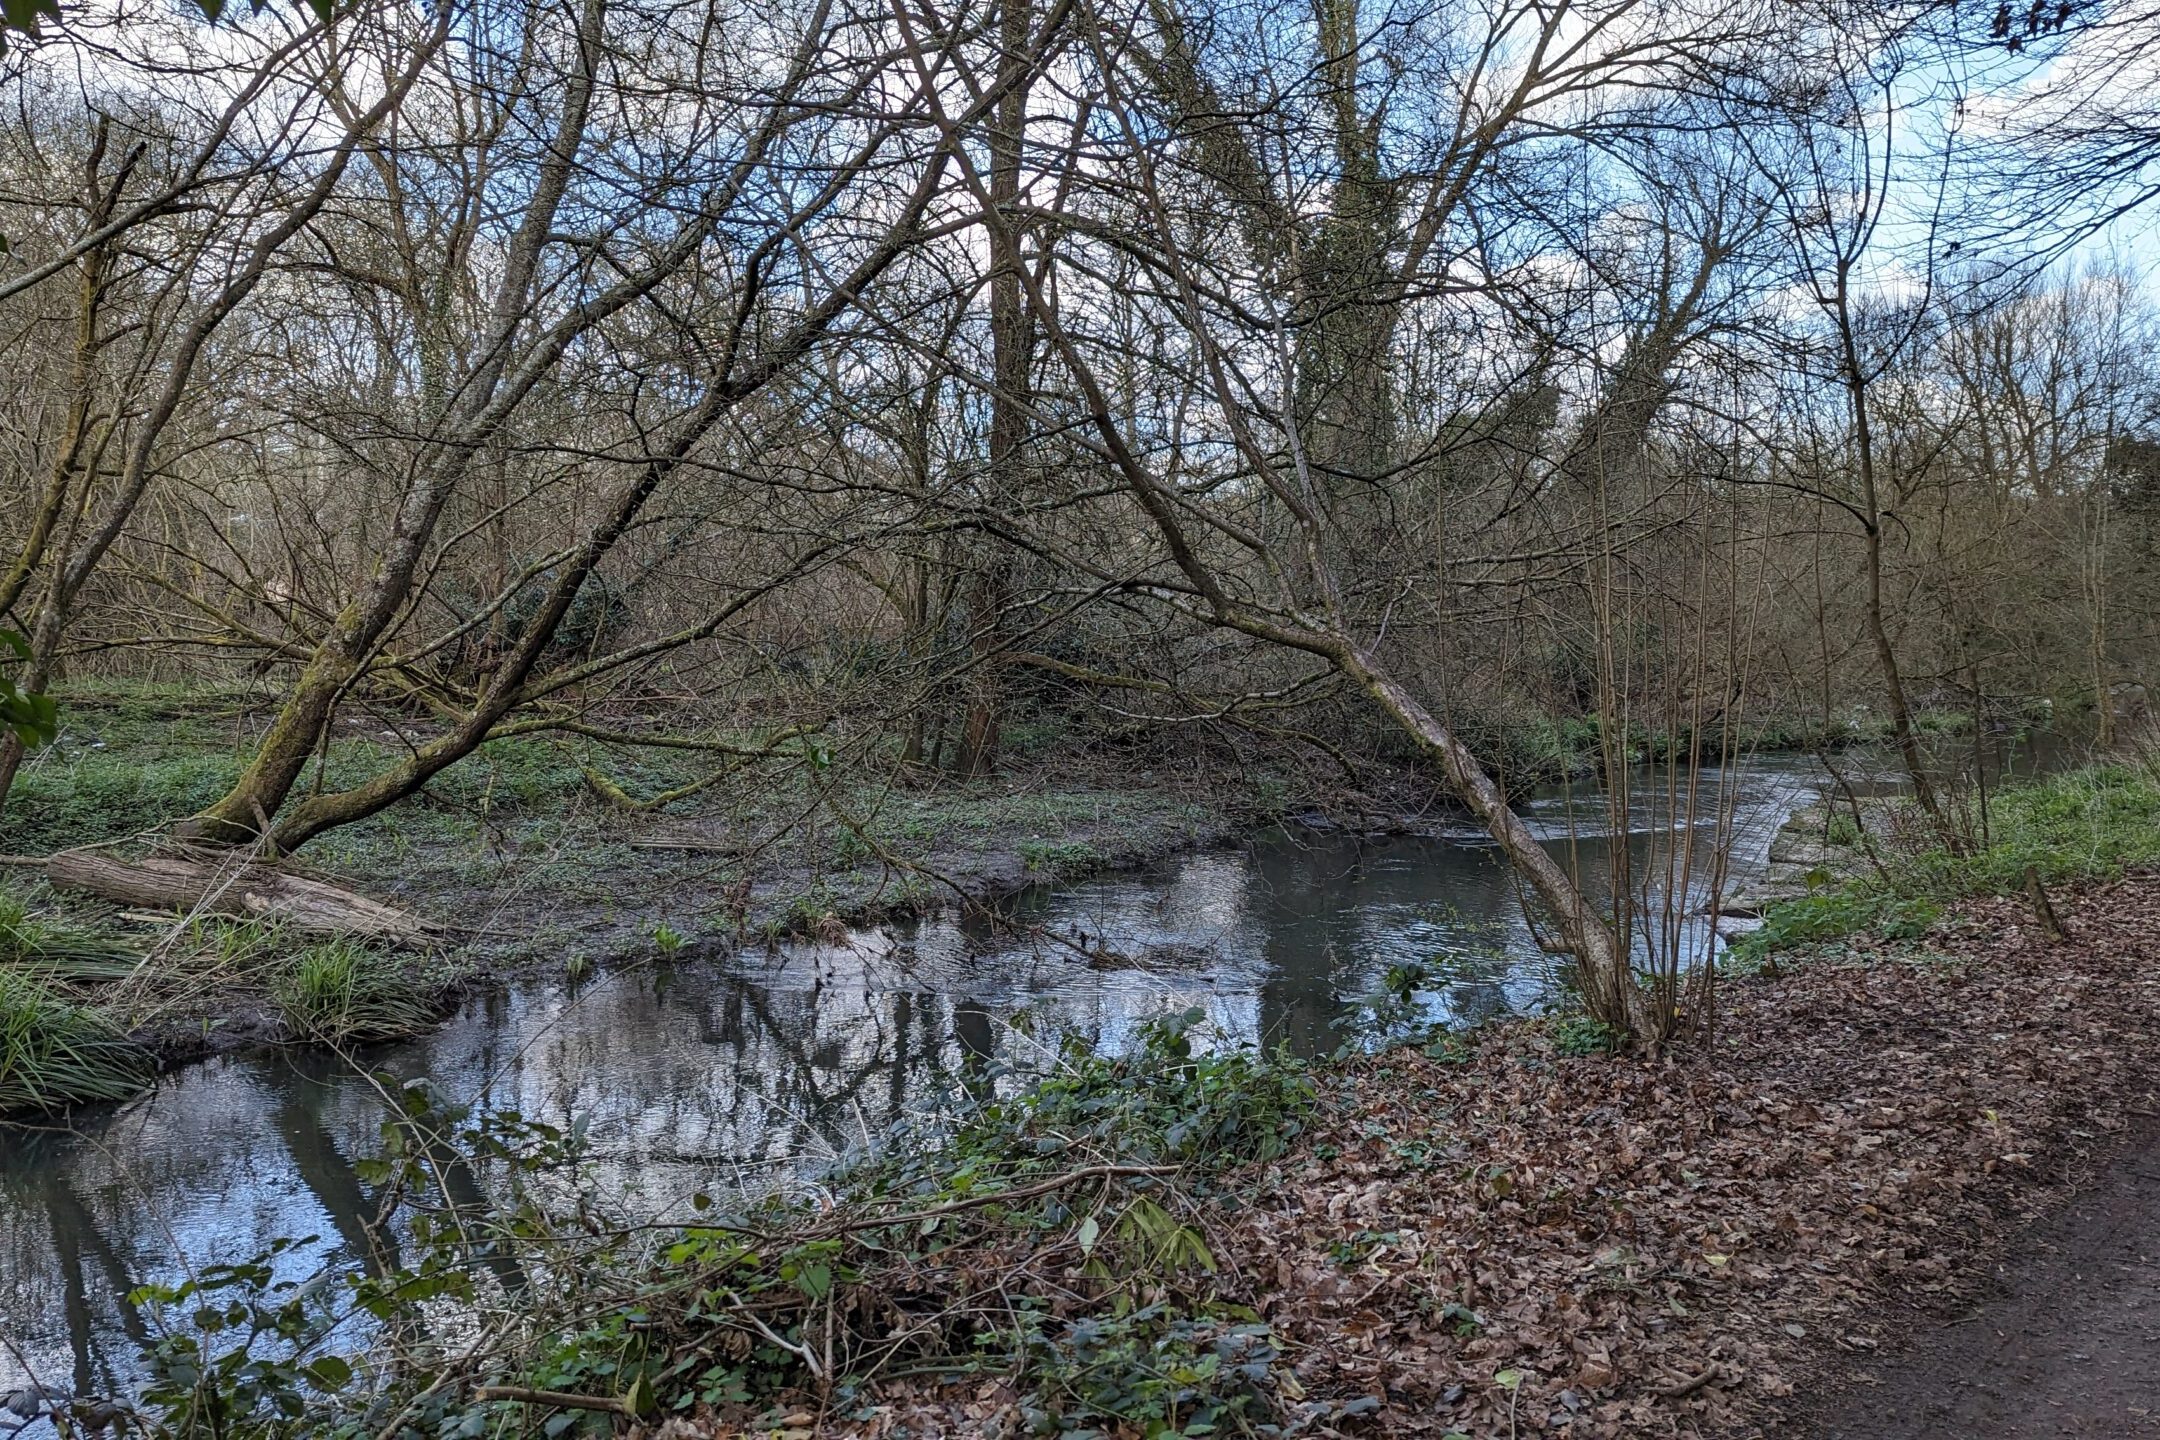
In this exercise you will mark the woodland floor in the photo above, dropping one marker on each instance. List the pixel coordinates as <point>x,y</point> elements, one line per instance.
<point>1903,1192</point>
<point>1691,1247</point>
<point>528,860</point>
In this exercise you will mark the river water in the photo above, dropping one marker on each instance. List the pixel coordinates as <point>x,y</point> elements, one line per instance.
<point>755,1067</point>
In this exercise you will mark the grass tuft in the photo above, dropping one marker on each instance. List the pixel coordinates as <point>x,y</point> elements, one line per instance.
<point>53,950</point>
<point>343,991</point>
<point>54,1053</point>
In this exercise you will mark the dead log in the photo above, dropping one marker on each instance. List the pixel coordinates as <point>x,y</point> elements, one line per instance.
<point>2051,924</point>
<point>253,892</point>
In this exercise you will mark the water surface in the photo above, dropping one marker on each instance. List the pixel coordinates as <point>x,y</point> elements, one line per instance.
<point>737,1069</point>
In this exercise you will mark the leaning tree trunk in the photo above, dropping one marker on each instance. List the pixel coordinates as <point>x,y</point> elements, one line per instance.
<point>1607,973</point>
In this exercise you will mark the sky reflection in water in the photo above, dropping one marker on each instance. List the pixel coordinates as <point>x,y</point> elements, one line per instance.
<point>707,1071</point>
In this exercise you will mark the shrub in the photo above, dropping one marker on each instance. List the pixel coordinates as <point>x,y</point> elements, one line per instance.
<point>1163,1103</point>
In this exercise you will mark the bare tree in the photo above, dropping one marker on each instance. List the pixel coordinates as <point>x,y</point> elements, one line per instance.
<point>164,368</point>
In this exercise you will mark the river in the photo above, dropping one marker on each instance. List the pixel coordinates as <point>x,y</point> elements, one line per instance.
<point>751,1068</point>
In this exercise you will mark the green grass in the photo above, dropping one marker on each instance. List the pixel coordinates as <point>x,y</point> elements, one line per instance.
<point>1059,857</point>
<point>55,950</point>
<point>2082,824</point>
<point>134,760</point>
<point>59,800</point>
<point>55,1053</point>
<point>2086,824</point>
<point>340,991</point>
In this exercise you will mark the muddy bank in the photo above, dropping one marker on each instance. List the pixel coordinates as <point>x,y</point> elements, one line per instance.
<point>623,891</point>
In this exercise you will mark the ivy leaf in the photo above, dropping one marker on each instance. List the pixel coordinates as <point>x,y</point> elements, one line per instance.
<point>329,1374</point>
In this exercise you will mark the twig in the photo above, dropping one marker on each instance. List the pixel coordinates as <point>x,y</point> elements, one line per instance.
<point>800,1351</point>
<point>1687,1387</point>
<point>1024,1192</point>
<point>560,1399</point>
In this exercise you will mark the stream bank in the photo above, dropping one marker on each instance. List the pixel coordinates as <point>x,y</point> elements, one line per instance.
<point>532,877</point>
<point>1547,1225</point>
<point>1515,1237</point>
<point>522,902</point>
<point>1505,1232</point>
<point>718,1065</point>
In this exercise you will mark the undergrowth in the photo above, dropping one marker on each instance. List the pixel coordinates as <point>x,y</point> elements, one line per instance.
<point>340,990</point>
<point>57,950</point>
<point>1051,1237</point>
<point>55,1053</point>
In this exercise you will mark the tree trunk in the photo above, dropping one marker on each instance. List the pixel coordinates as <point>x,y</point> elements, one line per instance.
<point>304,719</point>
<point>980,729</point>
<point>1012,345</point>
<point>1901,726</point>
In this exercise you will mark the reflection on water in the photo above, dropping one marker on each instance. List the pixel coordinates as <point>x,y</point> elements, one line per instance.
<point>709,1071</point>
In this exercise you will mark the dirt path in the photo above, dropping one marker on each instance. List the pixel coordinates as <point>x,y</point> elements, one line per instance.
<point>2064,1340</point>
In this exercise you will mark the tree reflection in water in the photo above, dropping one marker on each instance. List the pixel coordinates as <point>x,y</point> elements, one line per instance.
<point>754,1068</point>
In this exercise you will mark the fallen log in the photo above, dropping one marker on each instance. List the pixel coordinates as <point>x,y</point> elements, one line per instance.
<point>254,892</point>
<point>702,847</point>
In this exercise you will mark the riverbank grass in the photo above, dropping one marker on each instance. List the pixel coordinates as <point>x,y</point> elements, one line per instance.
<point>55,1053</point>
<point>52,949</point>
<point>93,1005</point>
<point>341,991</point>
<point>2079,826</point>
<point>2085,824</point>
